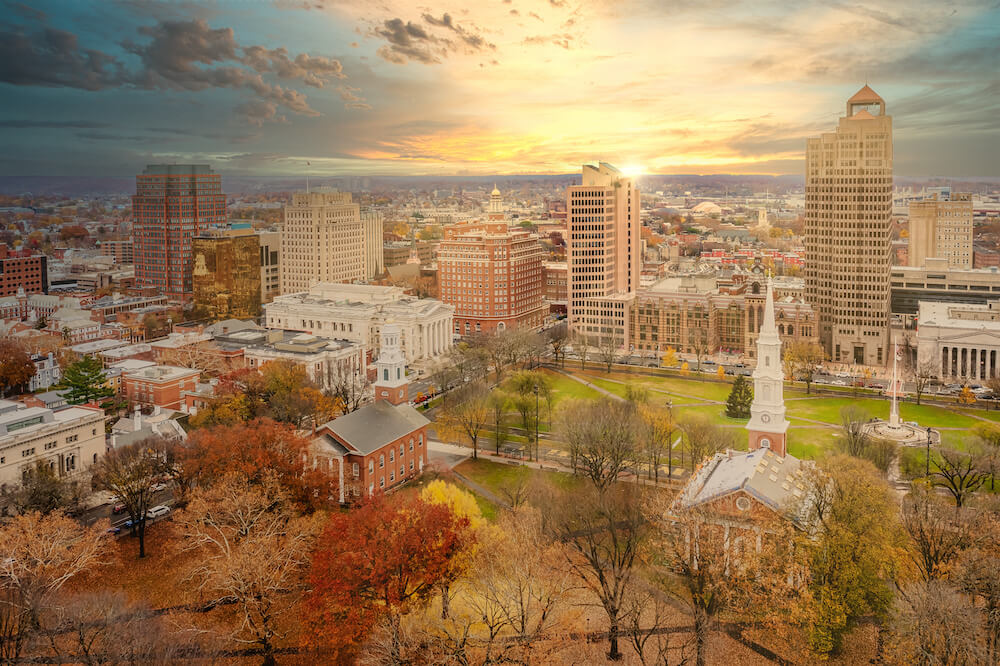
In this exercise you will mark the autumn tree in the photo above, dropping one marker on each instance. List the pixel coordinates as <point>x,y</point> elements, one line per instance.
<point>86,381</point>
<point>252,549</point>
<point>255,450</point>
<point>938,535</point>
<point>464,413</point>
<point>462,505</point>
<point>602,437</point>
<point>375,563</point>
<point>934,624</point>
<point>855,550</point>
<point>740,398</point>
<point>348,387</point>
<point>557,338</point>
<point>39,555</point>
<point>42,490</point>
<point>704,437</point>
<point>669,358</point>
<point>966,396</point>
<point>292,397</point>
<point>802,358</point>
<point>604,532</point>
<point>130,472</point>
<point>657,428</point>
<point>16,367</point>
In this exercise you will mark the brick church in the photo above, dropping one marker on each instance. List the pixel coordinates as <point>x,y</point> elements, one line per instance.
<point>381,445</point>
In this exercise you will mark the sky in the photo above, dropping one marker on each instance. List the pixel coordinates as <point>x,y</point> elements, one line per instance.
<point>389,87</point>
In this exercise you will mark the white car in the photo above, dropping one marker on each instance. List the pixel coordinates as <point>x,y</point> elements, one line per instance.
<point>157,511</point>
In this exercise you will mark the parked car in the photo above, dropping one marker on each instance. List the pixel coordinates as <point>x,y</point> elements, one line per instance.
<point>118,508</point>
<point>157,511</point>
<point>159,487</point>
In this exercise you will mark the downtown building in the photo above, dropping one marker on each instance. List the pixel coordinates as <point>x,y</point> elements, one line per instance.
<point>604,253</point>
<point>173,203</point>
<point>941,228</point>
<point>22,271</point>
<point>327,238</point>
<point>492,275</point>
<point>847,231</point>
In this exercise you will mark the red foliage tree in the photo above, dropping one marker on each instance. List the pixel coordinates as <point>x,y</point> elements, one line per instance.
<point>253,450</point>
<point>376,562</point>
<point>16,367</point>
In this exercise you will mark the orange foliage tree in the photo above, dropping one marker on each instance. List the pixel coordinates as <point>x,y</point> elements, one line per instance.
<point>255,450</point>
<point>375,563</point>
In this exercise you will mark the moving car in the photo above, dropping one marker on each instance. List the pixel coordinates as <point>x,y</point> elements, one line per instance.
<point>157,511</point>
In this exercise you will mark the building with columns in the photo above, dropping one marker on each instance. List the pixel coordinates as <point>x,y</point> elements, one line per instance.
<point>381,445</point>
<point>356,312</point>
<point>962,341</point>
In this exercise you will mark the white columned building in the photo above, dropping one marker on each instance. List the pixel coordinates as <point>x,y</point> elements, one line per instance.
<point>960,341</point>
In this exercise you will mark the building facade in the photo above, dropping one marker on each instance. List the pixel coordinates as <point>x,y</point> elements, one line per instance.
<point>941,227</point>
<point>322,240</point>
<point>325,361</point>
<point>356,312</point>
<point>173,203</point>
<point>961,341</point>
<point>24,271</point>
<point>493,276</point>
<point>381,445</point>
<point>371,228</point>
<point>270,264</point>
<point>67,440</point>
<point>936,281</point>
<point>604,252</point>
<point>226,274</point>
<point>847,231</point>
<point>119,250</point>
<point>556,285</point>
<point>159,385</point>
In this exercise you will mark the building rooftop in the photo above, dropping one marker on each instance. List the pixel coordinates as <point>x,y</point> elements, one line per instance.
<point>162,373</point>
<point>375,425</point>
<point>985,316</point>
<point>27,420</point>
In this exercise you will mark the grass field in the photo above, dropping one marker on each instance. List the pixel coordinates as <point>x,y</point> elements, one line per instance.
<point>496,476</point>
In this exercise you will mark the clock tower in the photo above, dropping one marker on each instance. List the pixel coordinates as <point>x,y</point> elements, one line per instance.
<point>391,384</point>
<point>768,425</point>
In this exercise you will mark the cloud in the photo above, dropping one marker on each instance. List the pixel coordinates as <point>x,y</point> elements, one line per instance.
<point>52,124</point>
<point>175,55</point>
<point>408,41</point>
<point>351,98</point>
<point>471,39</point>
<point>30,13</point>
<point>563,41</point>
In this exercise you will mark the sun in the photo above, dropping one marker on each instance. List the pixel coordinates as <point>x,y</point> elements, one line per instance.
<point>633,170</point>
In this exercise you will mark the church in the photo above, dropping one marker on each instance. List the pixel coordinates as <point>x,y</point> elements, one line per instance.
<point>765,482</point>
<point>381,445</point>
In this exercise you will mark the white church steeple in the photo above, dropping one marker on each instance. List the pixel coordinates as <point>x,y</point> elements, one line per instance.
<point>391,383</point>
<point>768,425</point>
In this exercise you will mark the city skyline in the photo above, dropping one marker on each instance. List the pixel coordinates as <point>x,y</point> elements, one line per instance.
<point>290,88</point>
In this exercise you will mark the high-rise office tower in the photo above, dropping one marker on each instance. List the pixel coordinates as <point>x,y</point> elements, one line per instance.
<point>941,227</point>
<point>603,254</point>
<point>847,226</point>
<point>371,222</point>
<point>322,240</point>
<point>172,204</point>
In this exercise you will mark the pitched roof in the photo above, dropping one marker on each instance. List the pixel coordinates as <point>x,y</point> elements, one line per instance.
<point>375,425</point>
<point>775,481</point>
<point>866,94</point>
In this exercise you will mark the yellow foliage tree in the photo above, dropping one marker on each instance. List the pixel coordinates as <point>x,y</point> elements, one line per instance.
<point>460,502</point>
<point>669,358</point>
<point>966,397</point>
<point>721,372</point>
<point>685,369</point>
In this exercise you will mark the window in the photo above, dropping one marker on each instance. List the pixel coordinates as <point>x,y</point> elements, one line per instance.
<point>357,472</point>
<point>371,466</point>
<point>402,470</point>
<point>401,450</point>
<point>392,455</point>
<point>411,444</point>
<point>392,476</point>
<point>411,465</point>
<point>381,482</point>
<point>381,462</point>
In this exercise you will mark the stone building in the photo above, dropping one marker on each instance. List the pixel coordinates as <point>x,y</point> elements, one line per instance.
<point>941,227</point>
<point>962,341</point>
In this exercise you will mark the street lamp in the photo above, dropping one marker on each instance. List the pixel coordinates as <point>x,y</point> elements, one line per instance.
<point>536,421</point>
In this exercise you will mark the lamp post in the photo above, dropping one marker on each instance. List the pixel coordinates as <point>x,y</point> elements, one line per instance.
<point>535,389</point>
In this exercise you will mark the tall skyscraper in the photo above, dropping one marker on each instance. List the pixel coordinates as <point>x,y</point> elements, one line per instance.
<point>371,222</point>
<point>941,227</point>
<point>172,204</point>
<point>603,254</point>
<point>847,227</point>
<point>226,274</point>
<point>322,240</point>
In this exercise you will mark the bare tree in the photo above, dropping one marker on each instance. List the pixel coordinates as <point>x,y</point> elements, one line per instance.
<point>39,555</point>
<point>558,338</point>
<point>204,355</point>
<point>498,402</point>
<point>252,550</point>
<point>704,437</point>
<point>604,532</point>
<point>939,535</point>
<point>602,437</point>
<point>935,626</point>
<point>347,385</point>
<point>465,412</point>
<point>130,472</point>
<point>960,473</point>
<point>646,617</point>
<point>656,431</point>
<point>922,375</point>
<point>853,420</point>
<point>802,358</point>
<point>581,345</point>
<point>979,577</point>
<point>698,341</point>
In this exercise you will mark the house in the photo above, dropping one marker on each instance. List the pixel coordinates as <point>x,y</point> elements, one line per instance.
<point>159,385</point>
<point>383,444</point>
<point>47,372</point>
<point>161,423</point>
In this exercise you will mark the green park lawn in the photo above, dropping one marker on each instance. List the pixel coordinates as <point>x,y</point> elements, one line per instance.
<point>683,390</point>
<point>495,476</point>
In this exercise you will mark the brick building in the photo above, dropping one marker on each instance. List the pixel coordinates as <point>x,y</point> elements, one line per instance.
<point>556,286</point>
<point>21,269</point>
<point>493,276</point>
<point>119,250</point>
<point>159,385</point>
<point>383,444</point>
<point>173,203</point>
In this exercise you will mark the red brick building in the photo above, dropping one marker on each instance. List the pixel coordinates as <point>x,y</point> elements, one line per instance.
<point>159,385</point>
<point>556,286</point>
<point>493,276</point>
<point>172,204</point>
<point>383,444</point>
<point>22,268</point>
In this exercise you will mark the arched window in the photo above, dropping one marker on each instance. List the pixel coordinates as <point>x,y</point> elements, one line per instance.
<point>381,462</point>
<point>765,443</point>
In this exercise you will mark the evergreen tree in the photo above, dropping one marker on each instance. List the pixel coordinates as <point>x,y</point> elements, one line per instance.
<point>740,397</point>
<point>85,380</point>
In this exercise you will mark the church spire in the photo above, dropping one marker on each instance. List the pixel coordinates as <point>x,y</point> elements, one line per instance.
<point>768,425</point>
